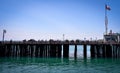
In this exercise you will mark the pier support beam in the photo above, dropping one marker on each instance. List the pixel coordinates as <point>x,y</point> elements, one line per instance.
<point>41,50</point>
<point>75,52</point>
<point>21,50</point>
<point>92,49</point>
<point>108,51</point>
<point>118,51</point>
<point>25,50</point>
<point>98,51</point>
<point>85,51</point>
<point>59,51</point>
<point>45,50</point>
<point>65,51</point>
<point>2,51</point>
<point>52,50</point>
<point>104,51</point>
<point>7,51</point>
<point>36,51</point>
<point>116,48</point>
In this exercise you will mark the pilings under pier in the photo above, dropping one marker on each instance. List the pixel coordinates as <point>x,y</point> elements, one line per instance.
<point>55,50</point>
<point>28,50</point>
<point>105,51</point>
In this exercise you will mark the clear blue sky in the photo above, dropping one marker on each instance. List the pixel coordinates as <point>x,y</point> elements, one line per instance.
<point>49,19</point>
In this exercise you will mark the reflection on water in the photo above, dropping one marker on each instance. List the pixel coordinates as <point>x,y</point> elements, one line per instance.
<point>57,65</point>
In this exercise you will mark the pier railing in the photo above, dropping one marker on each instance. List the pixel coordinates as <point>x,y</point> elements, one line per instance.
<point>60,42</point>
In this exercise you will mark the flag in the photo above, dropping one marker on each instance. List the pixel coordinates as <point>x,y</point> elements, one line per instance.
<point>107,7</point>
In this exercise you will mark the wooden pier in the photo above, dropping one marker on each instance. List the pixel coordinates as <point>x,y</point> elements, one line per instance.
<point>55,49</point>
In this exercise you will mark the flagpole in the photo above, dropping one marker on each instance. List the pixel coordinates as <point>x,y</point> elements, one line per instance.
<point>106,23</point>
<point>106,18</point>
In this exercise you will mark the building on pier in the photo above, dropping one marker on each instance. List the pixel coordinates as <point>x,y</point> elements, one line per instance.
<point>112,37</point>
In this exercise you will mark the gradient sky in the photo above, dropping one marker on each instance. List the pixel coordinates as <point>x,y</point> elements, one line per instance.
<point>50,19</point>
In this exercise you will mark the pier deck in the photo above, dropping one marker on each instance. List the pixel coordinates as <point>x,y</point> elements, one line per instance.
<point>62,42</point>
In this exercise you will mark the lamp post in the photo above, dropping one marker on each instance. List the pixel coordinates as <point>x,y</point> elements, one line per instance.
<point>90,39</point>
<point>96,39</point>
<point>84,39</point>
<point>63,37</point>
<point>4,31</point>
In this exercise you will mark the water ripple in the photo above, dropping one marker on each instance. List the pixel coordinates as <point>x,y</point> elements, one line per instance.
<point>53,65</point>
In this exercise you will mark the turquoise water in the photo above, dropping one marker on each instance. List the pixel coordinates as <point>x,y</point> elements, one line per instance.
<point>55,65</point>
<point>79,51</point>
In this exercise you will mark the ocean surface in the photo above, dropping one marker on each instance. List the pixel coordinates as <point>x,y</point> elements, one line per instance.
<point>57,65</point>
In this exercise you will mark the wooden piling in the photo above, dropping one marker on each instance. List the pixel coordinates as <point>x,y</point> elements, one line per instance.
<point>51,50</point>
<point>54,51</point>
<point>118,51</point>
<point>45,50</point>
<point>108,51</point>
<point>65,51</point>
<point>2,51</point>
<point>7,51</point>
<point>36,51</point>
<point>75,52</point>
<point>85,51</point>
<point>104,51</point>
<point>92,50</point>
<point>98,51</point>
<point>41,50</point>
<point>59,51</point>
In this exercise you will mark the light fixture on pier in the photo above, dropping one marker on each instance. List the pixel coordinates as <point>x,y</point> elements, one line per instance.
<point>63,37</point>
<point>4,31</point>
